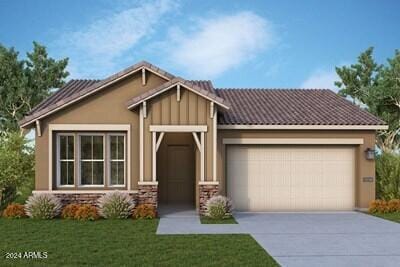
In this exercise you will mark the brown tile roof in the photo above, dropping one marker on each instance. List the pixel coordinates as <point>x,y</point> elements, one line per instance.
<point>46,108</point>
<point>247,106</point>
<point>291,107</point>
<point>71,87</point>
<point>203,88</point>
<point>204,84</point>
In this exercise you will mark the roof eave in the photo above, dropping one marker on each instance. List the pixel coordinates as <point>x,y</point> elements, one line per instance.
<point>299,127</point>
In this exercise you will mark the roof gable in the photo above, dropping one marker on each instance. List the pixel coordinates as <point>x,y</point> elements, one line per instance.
<point>70,94</point>
<point>208,93</point>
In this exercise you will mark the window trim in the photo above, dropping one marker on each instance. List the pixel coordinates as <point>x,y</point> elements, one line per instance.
<point>58,161</point>
<point>109,160</point>
<point>80,160</point>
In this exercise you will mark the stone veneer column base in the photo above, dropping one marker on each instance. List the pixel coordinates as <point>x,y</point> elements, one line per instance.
<point>206,191</point>
<point>148,194</point>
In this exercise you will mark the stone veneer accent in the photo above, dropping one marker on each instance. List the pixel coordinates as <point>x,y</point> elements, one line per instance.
<point>84,198</point>
<point>148,194</point>
<point>205,193</point>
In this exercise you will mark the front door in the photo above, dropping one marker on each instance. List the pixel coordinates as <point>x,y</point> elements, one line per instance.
<point>180,175</point>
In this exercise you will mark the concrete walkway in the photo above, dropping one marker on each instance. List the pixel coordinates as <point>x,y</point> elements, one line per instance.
<point>185,220</point>
<point>305,239</point>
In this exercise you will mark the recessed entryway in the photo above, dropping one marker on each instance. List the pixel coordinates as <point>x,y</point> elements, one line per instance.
<point>176,169</point>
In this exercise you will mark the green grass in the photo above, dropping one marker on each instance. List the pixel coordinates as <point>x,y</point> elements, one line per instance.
<point>395,216</point>
<point>208,220</point>
<point>123,243</point>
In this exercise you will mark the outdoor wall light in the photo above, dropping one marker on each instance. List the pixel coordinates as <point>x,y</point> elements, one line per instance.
<point>370,153</point>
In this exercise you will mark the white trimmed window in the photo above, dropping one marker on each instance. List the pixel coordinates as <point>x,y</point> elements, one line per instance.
<point>116,167</point>
<point>65,160</point>
<point>91,159</point>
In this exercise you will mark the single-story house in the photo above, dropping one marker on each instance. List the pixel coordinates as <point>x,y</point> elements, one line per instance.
<point>167,140</point>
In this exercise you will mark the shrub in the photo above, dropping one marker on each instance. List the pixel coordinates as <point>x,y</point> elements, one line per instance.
<point>86,213</point>
<point>16,165</point>
<point>145,211</point>
<point>43,206</point>
<point>14,211</point>
<point>388,176</point>
<point>219,207</point>
<point>393,205</point>
<point>69,211</point>
<point>115,205</point>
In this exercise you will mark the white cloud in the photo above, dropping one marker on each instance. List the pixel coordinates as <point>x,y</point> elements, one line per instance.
<point>215,45</point>
<point>94,49</point>
<point>321,79</point>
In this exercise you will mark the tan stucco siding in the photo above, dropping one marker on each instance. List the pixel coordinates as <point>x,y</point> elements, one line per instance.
<point>105,107</point>
<point>165,109</point>
<point>365,191</point>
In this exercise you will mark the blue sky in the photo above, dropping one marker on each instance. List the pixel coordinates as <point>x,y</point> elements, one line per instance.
<point>234,43</point>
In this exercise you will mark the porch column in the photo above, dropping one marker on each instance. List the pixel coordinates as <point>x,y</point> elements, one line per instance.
<point>154,154</point>
<point>202,156</point>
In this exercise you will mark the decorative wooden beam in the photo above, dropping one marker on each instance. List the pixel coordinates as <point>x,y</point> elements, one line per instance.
<point>143,76</point>
<point>160,138</point>
<point>196,139</point>
<point>212,110</point>
<point>178,92</point>
<point>38,128</point>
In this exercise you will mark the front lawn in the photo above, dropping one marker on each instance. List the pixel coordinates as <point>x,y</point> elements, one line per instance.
<point>208,220</point>
<point>395,216</point>
<point>123,243</point>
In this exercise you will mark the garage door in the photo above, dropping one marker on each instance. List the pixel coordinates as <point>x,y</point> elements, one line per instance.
<point>270,178</point>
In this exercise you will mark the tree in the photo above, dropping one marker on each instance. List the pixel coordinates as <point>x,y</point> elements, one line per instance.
<point>25,83</point>
<point>16,165</point>
<point>377,88</point>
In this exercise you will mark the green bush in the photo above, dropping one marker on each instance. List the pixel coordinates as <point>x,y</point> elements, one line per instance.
<point>219,207</point>
<point>16,166</point>
<point>388,176</point>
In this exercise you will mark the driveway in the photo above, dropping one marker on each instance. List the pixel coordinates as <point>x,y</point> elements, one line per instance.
<point>325,239</point>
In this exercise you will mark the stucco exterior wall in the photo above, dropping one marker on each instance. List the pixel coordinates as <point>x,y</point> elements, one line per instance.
<point>365,191</point>
<point>105,107</point>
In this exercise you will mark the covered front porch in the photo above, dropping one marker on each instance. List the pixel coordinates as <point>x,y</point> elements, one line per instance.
<point>179,165</point>
<point>178,144</point>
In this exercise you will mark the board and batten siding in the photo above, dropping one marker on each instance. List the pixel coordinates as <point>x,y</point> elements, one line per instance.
<point>165,109</point>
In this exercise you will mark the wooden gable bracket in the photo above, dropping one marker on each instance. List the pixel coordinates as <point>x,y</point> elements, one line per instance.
<point>212,110</point>
<point>38,128</point>
<point>178,92</point>
<point>144,109</point>
<point>143,76</point>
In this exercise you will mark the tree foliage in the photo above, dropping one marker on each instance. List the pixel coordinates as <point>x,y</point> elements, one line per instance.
<point>388,176</point>
<point>376,87</point>
<point>25,83</point>
<point>16,165</point>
